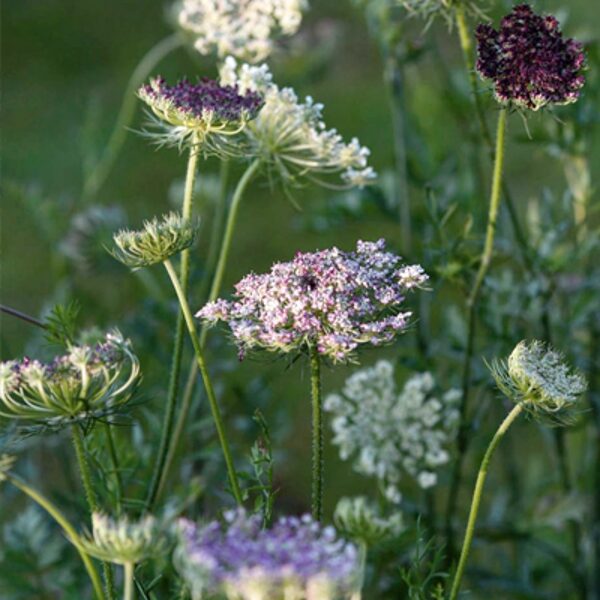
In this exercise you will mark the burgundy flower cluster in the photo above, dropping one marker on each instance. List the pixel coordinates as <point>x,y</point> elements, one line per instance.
<point>330,300</point>
<point>529,61</point>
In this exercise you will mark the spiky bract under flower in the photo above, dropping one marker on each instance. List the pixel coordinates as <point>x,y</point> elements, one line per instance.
<point>123,541</point>
<point>87,383</point>
<point>360,520</point>
<point>529,62</point>
<point>298,558</point>
<point>538,377</point>
<point>331,300</point>
<point>205,113</point>
<point>387,431</point>
<point>430,9</point>
<point>159,240</point>
<point>245,29</point>
<point>290,137</point>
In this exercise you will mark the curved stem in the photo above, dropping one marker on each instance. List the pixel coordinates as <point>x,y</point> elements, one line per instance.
<point>69,530</point>
<point>110,442</point>
<point>477,495</point>
<point>159,467</point>
<point>317,434</point>
<point>128,592</point>
<point>94,181</point>
<point>92,501</point>
<point>472,300</point>
<point>212,400</point>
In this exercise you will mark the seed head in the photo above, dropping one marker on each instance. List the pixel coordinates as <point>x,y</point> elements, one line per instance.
<point>529,62</point>
<point>159,240</point>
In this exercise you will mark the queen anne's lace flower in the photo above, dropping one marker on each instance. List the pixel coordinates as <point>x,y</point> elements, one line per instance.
<point>86,383</point>
<point>529,62</point>
<point>330,300</point>
<point>242,28</point>
<point>204,113</point>
<point>297,558</point>
<point>539,378</point>
<point>291,137</point>
<point>156,242</point>
<point>387,431</point>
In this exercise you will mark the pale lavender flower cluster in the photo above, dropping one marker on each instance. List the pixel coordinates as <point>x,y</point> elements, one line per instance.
<point>297,558</point>
<point>330,300</point>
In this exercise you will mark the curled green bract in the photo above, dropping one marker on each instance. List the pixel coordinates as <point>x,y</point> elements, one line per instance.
<point>159,240</point>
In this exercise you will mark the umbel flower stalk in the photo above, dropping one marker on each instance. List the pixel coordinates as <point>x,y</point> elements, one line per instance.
<point>539,382</point>
<point>324,304</point>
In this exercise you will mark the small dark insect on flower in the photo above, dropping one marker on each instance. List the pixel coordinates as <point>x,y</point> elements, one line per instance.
<point>529,61</point>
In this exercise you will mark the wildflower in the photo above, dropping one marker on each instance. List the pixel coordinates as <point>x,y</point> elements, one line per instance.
<point>123,541</point>
<point>529,62</point>
<point>86,383</point>
<point>330,300</point>
<point>156,242</point>
<point>297,558</point>
<point>290,136</point>
<point>245,29</point>
<point>538,377</point>
<point>204,113</point>
<point>389,431</point>
<point>361,521</point>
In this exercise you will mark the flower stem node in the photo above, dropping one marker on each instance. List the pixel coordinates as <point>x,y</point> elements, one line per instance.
<point>123,541</point>
<point>529,62</point>
<point>159,240</point>
<point>205,114</point>
<point>85,384</point>
<point>537,376</point>
<point>361,521</point>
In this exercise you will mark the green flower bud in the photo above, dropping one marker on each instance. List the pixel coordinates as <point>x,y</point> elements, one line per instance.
<point>156,242</point>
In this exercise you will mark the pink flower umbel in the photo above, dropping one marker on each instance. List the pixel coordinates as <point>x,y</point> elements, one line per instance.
<point>330,300</point>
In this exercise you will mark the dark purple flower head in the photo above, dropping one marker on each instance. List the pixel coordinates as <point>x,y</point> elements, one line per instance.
<point>330,300</point>
<point>240,559</point>
<point>529,61</point>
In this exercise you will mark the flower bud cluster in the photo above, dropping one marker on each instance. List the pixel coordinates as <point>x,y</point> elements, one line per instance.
<point>387,431</point>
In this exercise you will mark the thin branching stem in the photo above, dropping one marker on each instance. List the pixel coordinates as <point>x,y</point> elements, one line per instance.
<point>317,434</point>
<point>13,312</point>
<point>112,451</point>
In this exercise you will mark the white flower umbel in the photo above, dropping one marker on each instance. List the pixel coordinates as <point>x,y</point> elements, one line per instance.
<point>387,431</point>
<point>245,29</point>
<point>290,137</point>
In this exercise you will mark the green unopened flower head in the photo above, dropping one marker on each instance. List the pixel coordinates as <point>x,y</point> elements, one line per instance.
<point>123,541</point>
<point>538,377</point>
<point>6,464</point>
<point>86,383</point>
<point>156,242</point>
<point>359,520</point>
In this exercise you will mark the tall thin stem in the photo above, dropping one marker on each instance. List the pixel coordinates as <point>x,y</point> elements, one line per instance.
<point>128,592</point>
<point>212,400</point>
<point>110,442</point>
<point>472,301</point>
<point>317,434</point>
<point>100,171</point>
<point>92,501</point>
<point>477,495</point>
<point>69,530</point>
<point>13,312</point>
<point>158,474</point>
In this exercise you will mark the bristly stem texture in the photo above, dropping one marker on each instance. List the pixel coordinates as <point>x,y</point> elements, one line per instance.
<point>477,495</point>
<point>100,171</point>
<point>158,474</point>
<point>69,530</point>
<point>317,434</point>
<point>92,501</point>
<point>212,400</point>
<point>472,300</point>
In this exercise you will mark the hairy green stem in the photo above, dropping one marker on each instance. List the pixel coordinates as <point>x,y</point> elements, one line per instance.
<point>317,434</point>
<point>214,292</point>
<point>477,495</point>
<point>92,501</point>
<point>212,400</point>
<point>66,526</point>
<point>159,473</point>
<point>94,181</point>
<point>486,257</point>
<point>110,442</point>
<point>128,592</point>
